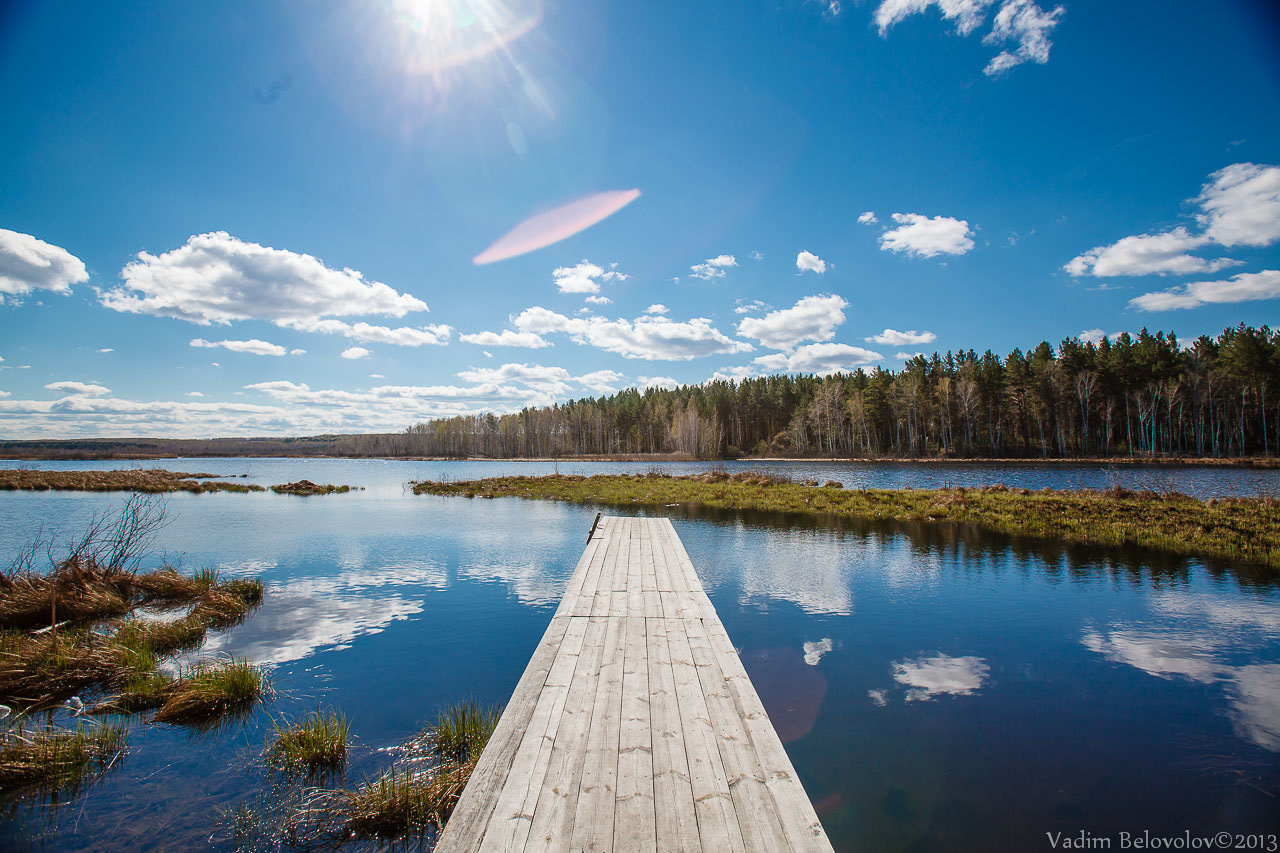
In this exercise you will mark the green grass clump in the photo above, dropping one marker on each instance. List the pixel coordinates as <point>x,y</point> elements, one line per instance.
<point>306,488</point>
<point>317,742</point>
<point>146,690</point>
<point>55,758</point>
<point>1243,530</point>
<point>403,801</point>
<point>209,690</point>
<point>462,730</point>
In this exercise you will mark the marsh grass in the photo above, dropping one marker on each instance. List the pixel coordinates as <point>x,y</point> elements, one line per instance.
<point>54,758</point>
<point>139,480</point>
<point>209,690</point>
<point>1244,530</point>
<point>462,730</point>
<point>318,742</point>
<point>305,488</point>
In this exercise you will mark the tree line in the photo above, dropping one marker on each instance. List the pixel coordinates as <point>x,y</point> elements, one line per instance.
<point>1143,395</point>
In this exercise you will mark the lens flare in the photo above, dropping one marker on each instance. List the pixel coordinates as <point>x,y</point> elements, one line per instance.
<point>554,225</point>
<point>437,35</point>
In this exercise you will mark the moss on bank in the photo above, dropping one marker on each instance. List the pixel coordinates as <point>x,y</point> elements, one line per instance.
<point>1240,529</point>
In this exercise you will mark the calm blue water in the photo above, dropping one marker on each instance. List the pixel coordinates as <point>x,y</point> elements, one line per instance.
<point>936,688</point>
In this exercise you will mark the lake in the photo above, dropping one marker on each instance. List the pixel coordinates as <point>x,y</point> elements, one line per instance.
<point>936,688</point>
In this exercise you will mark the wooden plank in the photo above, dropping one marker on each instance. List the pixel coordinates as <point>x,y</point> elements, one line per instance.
<point>718,825</point>
<point>677,821</point>
<point>634,828</point>
<point>557,801</point>
<point>593,817</point>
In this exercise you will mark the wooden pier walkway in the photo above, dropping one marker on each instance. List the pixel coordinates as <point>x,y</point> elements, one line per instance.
<point>634,727</point>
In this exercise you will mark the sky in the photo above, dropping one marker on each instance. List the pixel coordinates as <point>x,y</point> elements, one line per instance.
<point>283,218</point>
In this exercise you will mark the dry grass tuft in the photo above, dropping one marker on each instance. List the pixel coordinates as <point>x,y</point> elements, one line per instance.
<point>209,690</point>
<point>54,758</point>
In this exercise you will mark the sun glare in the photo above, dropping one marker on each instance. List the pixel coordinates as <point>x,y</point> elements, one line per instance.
<point>437,35</point>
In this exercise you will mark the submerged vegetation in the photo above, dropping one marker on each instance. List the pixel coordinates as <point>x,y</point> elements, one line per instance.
<point>410,799</point>
<point>1240,529</point>
<point>52,758</point>
<point>317,742</point>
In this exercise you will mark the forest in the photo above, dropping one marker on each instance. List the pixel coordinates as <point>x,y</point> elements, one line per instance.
<point>1144,395</point>
<point>1135,396</point>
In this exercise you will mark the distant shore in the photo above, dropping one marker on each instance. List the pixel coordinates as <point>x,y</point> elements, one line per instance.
<point>9,451</point>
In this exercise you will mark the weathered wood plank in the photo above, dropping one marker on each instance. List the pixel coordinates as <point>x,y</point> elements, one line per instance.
<point>677,821</point>
<point>592,828</point>
<point>634,828</point>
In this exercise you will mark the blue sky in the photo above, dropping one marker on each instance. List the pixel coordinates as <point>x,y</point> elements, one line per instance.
<point>262,218</point>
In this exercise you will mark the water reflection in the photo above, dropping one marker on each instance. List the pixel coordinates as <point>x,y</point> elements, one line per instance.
<point>813,652</point>
<point>940,675</point>
<point>301,617</point>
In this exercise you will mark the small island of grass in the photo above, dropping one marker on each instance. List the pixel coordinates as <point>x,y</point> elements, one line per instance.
<point>1245,530</point>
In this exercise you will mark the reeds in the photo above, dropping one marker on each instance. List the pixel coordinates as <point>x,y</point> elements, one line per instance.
<point>55,758</point>
<point>208,690</point>
<point>318,742</point>
<point>462,730</point>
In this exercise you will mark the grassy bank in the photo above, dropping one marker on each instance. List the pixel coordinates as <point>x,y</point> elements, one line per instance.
<point>149,480</point>
<point>1238,529</point>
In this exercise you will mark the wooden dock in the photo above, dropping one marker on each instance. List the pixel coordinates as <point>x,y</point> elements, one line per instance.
<point>634,727</point>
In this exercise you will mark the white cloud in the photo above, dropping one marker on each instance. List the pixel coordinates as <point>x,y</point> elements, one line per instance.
<point>967,14</point>
<point>601,381</point>
<point>894,338</point>
<point>432,334</point>
<point>106,349</point>
<point>506,338</point>
<point>809,261</point>
<point>1095,336</point>
<point>757,256</point>
<point>649,337</point>
<point>940,675</point>
<point>28,263</point>
<point>253,347</point>
<point>813,318</point>
<point>217,278</point>
<point>734,374</point>
<point>1027,26</point>
<point>1244,287</point>
<point>580,278</point>
<point>356,352</point>
<point>906,356</point>
<point>1241,205</point>
<point>868,218</point>
<point>376,376</point>
<point>925,237</point>
<point>657,382</point>
<point>656,308</point>
<point>713,267</point>
<point>1147,254</point>
<point>753,305</point>
<point>194,394</point>
<point>585,277</point>
<point>819,358</point>
<point>599,300</point>
<point>297,351</point>
<point>86,389</point>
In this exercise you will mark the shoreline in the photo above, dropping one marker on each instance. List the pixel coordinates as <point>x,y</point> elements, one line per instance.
<point>1258,462</point>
